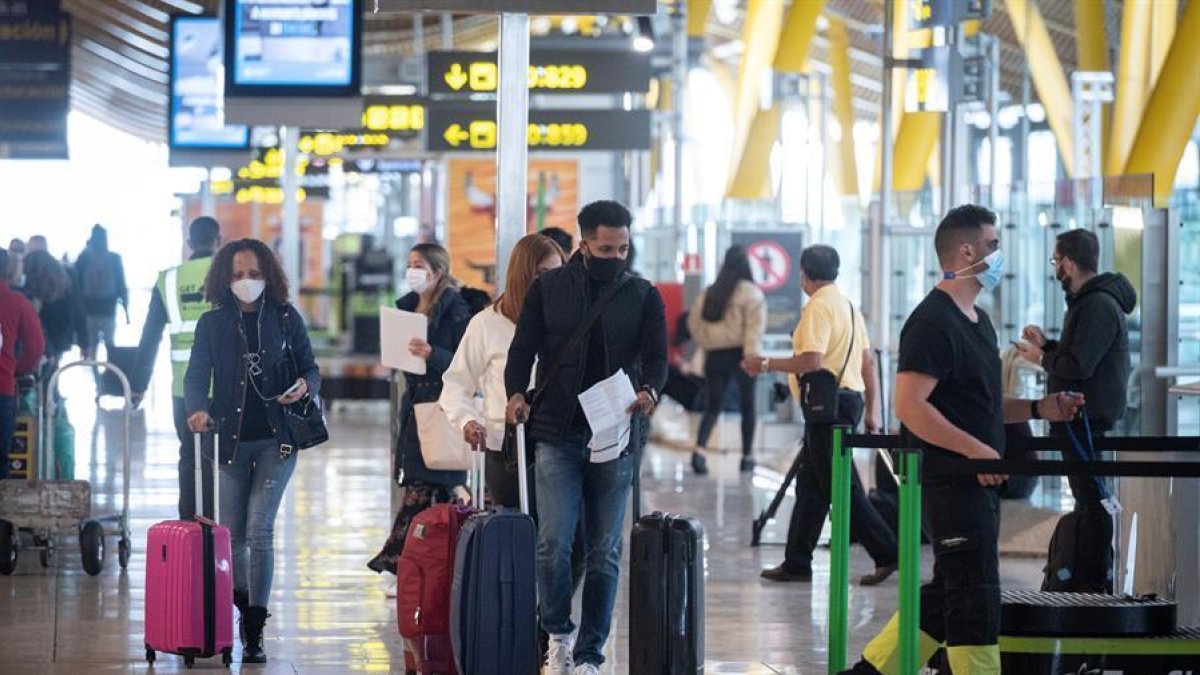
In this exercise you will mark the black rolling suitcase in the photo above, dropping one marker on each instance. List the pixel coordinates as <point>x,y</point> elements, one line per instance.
<point>124,358</point>
<point>666,637</point>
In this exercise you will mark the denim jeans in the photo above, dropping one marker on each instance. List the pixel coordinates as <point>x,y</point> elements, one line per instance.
<point>8,424</point>
<point>252,488</point>
<point>567,482</point>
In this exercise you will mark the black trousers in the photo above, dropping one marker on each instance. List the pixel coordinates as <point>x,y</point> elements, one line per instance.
<point>1094,562</point>
<point>187,465</point>
<point>813,498</point>
<point>961,604</point>
<point>720,367</point>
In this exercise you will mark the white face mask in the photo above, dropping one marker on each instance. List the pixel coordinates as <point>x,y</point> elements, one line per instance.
<point>248,290</point>
<point>418,280</point>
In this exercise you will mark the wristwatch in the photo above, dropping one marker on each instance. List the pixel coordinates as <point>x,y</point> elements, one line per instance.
<point>1034,413</point>
<point>650,392</point>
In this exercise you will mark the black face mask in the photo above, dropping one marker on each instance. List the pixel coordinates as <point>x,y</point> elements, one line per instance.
<point>604,270</point>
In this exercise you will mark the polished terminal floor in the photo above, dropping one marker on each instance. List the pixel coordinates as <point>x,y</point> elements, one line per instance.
<point>331,614</point>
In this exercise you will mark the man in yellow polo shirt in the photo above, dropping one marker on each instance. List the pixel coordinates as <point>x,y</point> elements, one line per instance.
<point>833,336</point>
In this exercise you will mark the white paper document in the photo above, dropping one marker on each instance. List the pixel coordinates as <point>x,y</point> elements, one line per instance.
<point>396,329</point>
<point>606,406</point>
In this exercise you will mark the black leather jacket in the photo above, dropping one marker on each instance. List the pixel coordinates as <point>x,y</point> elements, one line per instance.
<point>217,358</point>
<point>635,339</point>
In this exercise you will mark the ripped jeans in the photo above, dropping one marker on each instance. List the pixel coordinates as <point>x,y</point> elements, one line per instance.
<point>252,488</point>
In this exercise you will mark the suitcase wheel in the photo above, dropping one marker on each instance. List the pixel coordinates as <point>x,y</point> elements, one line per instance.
<point>189,661</point>
<point>227,657</point>
<point>10,546</point>
<point>150,655</point>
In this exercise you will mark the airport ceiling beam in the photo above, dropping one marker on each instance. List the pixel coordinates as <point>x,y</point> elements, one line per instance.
<point>751,180</point>
<point>843,105</point>
<point>761,36</point>
<point>1163,16</point>
<point>1171,112</point>
<point>1047,74</point>
<point>1132,86</point>
<point>795,42</point>
<point>1091,49</point>
<point>697,17</point>
<point>915,141</point>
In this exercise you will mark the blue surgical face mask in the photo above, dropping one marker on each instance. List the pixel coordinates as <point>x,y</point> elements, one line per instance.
<point>990,274</point>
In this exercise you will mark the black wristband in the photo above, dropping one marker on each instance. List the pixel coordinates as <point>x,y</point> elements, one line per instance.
<point>1034,414</point>
<point>651,393</point>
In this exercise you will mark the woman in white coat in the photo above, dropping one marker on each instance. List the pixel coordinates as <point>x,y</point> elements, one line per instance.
<point>478,365</point>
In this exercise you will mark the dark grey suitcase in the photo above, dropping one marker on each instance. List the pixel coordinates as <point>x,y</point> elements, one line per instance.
<point>666,637</point>
<point>493,605</point>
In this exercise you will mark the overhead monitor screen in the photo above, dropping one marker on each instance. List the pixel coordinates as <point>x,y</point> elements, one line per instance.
<point>197,84</point>
<point>288,47</point>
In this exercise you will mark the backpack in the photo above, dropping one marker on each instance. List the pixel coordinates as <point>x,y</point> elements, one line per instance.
<point>1066,569</point>
<point>98,281</point>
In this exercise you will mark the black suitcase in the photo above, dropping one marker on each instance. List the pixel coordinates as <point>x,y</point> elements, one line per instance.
<point>124,358</point>
<point>493,606</point>
<point>666,637</point>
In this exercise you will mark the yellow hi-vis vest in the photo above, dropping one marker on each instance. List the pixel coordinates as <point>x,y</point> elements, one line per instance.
<point>182,291</point>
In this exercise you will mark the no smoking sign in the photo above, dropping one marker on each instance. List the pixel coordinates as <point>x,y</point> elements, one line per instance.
<point>770,263</point>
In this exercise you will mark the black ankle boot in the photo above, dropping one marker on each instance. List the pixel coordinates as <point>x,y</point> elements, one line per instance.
<point>241,600</point>
<point>252,641</point>
<point>699,464</point>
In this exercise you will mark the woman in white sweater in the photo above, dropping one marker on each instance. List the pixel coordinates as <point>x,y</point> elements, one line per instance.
<point>727,321</point>
<point>478,365</point>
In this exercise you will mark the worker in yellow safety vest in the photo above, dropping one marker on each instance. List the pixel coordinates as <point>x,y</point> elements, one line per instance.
<point>176,305</point>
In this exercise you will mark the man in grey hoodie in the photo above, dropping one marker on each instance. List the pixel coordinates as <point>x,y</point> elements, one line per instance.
<point>1091,357</point>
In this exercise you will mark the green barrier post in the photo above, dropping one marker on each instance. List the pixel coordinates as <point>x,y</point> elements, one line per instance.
<point>839,553</point>
<point>910,560</point>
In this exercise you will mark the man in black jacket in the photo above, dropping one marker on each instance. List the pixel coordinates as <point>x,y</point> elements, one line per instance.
<point>629,334</point>
<point>1092,358</point>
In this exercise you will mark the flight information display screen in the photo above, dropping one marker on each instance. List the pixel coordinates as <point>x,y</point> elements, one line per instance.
<point>286,47</point>
<point>197,118</point>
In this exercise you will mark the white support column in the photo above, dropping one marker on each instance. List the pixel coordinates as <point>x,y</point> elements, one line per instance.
<point>512,150</point>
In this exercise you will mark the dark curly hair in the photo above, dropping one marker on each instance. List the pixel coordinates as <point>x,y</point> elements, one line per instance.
<point>220,275</point>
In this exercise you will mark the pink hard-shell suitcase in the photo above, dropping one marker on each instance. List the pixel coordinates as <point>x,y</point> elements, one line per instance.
<point>189,582</point>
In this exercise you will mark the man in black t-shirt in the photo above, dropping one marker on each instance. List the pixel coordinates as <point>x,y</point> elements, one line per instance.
<point>949,397</point>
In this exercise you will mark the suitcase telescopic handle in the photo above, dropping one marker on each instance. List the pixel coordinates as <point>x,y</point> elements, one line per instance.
<point>522,470</point>
<point>198,452</point>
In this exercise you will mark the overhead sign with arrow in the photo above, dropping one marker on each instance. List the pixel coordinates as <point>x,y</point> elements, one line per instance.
<point>472,127</point>
<point>591,71</point>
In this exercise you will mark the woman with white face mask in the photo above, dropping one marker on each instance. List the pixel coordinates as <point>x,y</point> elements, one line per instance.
<point>253,350</point>
<point>434,293</point>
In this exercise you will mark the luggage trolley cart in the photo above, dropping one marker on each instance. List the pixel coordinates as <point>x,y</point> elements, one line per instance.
<point>49,506</point>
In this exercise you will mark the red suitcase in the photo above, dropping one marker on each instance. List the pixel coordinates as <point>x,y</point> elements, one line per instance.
<point>189,582</point>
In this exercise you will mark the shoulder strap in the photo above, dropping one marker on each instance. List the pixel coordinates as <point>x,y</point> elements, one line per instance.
<point>850,349</point>
<point>584,327</point>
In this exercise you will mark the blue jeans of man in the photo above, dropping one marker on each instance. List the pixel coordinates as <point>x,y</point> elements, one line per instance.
<point>252,488</point>
<point>8,424</point>
<point>568,484</point>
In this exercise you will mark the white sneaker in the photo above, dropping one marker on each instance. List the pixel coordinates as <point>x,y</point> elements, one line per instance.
<point>559,659</point>
<point>390,589</point>
<point>587,669</point>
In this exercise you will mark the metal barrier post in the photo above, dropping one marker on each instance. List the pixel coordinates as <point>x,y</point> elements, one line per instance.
<point>910,560</point>
<point>839,552</point>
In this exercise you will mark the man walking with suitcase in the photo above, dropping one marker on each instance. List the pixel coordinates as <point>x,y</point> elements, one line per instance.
<point>176,304</point>
<point>831,335</point>
<point>583,323</point>
<point>1091,357</point>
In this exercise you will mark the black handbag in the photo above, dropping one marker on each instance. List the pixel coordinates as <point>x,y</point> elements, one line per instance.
<point>819,388</point>
<point>305,419</point>
<point>509,449</point>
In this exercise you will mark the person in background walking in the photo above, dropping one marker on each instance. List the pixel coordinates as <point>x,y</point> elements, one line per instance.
<point>561,237</point>
<point>49,285</point>
<point>253,353</point>
<point>434,293</point>
<point>21,349</point>
<point>727,321</point>
<point>100,280</point>
<point>176,304</point>
<point>831,335</point>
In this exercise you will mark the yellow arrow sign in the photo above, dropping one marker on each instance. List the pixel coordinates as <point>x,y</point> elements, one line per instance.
<point>455,135</point>
<point>456,78</point>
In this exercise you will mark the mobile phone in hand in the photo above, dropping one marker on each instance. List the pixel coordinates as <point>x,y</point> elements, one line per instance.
<point>292,389</point>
